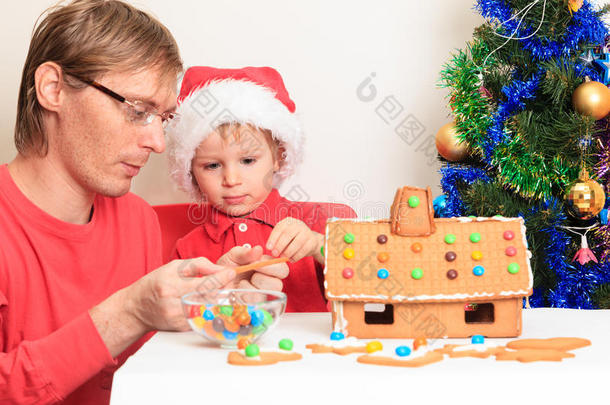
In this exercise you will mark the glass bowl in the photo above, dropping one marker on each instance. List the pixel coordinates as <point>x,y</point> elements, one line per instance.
<point>235,317</point>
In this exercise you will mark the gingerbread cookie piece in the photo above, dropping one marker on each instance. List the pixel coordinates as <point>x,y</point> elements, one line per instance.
<point>345,350</point>
<point>419,361</point>
<point>530,355</point>
<point>263,359</point>
<point>559,343</point>
<point>481,351</point>
<point>341,345</point>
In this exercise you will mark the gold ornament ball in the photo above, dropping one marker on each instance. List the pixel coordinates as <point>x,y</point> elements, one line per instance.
<point>593,99</point>
<point>448,144</point>
<point>586,198</point>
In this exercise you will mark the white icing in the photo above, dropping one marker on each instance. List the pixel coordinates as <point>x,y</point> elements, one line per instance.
<point>479,347</point>
<point>349,341</point>
<point>340,321</point>
<point>420,352</point>
<point>459,296</point>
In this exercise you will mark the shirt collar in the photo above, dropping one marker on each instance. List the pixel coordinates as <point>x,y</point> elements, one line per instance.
<point>217,222</point>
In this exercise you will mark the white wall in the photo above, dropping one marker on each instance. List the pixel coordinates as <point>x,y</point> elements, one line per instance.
<point>324,50</point>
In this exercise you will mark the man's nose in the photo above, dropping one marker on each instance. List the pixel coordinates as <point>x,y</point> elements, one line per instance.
<point>153,137</point>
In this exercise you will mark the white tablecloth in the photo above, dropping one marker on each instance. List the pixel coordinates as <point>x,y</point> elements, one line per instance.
<point>181,368</point>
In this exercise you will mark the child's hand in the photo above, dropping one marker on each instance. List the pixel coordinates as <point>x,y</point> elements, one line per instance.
<point>292,238</point>
<point>264,278</point>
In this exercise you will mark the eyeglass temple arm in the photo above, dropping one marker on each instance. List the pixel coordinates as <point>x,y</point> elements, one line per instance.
<point>107,91</point>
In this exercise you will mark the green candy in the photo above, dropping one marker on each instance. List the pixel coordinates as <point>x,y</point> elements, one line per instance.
<point>349,238</point>
<point>286,344</point>
<point>267,318</point>
<point>513,268</point>
<point>450,239</point>
<point>322,250</point>
<point>475,237</point>
<point>257,330</point>
<point>252,350</point>
<point>417,273</point>
<point>413,201</point>
<point>226,310</point>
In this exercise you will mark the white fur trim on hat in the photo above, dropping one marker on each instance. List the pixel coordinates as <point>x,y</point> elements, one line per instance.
<point>230,101</point>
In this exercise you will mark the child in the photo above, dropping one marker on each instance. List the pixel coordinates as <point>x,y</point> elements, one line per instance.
<point>237,139</point>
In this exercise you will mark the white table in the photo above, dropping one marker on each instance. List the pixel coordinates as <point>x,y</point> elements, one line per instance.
<point>181,368</point>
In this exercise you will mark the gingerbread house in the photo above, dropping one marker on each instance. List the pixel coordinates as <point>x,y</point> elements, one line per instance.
<point>419,276</point>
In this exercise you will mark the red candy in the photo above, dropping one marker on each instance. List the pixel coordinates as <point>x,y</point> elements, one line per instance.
<point>509,235</point>
<point>511,251</point>
<point>348,273</point>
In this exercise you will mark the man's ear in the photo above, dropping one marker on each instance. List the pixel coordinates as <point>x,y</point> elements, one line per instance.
<point>49,84</point>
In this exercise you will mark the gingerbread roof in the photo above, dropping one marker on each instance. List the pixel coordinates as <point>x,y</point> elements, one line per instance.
<point>464,259</point>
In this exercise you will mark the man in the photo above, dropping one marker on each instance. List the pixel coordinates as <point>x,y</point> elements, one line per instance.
<point>81,281</point>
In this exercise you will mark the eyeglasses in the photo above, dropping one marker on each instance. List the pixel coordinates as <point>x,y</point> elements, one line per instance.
<point>138,112</point>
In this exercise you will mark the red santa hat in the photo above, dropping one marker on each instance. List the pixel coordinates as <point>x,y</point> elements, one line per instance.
<point>210,97</point>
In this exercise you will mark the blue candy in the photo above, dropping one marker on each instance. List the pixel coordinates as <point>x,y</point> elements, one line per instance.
<point>477,339</point>
<point>383,274</point>
<point>257,317</point>
<point>229,335</point>
<point>208,315</point>
<point>478,270</point>
<point>337,336</point>
<point>403,351</point>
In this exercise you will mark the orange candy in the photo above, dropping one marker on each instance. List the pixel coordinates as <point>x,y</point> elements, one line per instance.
<point>231,325</point>
<point>417,247</point>
<point>417,343</point>
<point>239,309</point>
<point>243,318</point>
<point>242,343</point>
<point>383,257</point>
<point>209,329</point>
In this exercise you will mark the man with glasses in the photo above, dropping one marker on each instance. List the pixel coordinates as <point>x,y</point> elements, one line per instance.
<point>81,279</point>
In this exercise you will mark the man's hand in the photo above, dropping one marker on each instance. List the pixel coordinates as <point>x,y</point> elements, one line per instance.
<point>292,238</point>
<point>265,278</point>
<point>153,302</point>
<point>155,298</point>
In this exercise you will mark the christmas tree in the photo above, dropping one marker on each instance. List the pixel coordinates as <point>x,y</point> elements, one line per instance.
<point>530,101</point>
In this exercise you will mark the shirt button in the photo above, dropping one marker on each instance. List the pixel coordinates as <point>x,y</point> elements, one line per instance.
<point>247,245</point>
<point>242,227</point>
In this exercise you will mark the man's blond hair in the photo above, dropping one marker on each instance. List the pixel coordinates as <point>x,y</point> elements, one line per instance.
<point>88,38</point>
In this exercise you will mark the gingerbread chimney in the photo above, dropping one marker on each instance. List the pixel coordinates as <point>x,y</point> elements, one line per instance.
<point>412,213</point>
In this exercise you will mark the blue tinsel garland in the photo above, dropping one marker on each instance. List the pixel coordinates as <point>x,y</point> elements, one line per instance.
<point>452,173</point>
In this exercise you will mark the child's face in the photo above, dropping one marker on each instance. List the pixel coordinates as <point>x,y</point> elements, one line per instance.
<point>234,169</point>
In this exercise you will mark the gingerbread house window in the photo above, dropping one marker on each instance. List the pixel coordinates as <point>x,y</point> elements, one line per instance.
<point>479,313</point>
<point>379,314</point>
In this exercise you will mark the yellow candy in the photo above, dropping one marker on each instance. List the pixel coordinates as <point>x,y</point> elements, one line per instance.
<point>199,322</point>
<point>477,255</point>
<point>374,346</point>
<point>349,253</point>
<point>202,309</point>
